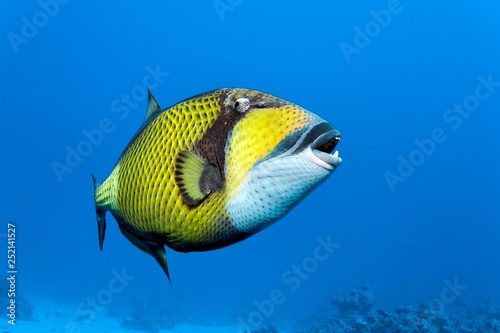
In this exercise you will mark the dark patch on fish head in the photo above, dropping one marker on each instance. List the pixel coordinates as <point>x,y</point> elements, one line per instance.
<point>235,105</point>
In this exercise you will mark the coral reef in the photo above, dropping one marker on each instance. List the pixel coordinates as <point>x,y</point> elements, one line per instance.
<point>357,313</point>
<point>356,301</point>
<point>352,312</point>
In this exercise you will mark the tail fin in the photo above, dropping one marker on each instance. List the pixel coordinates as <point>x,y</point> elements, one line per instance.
<point>100,214</point>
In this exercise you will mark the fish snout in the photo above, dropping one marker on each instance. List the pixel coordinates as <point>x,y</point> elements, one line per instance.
<point>321,148</point>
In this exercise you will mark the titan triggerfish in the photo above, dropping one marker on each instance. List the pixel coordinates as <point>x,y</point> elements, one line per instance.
<point>213,170</point>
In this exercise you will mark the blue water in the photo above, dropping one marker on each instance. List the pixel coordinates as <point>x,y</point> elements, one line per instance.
<point>414,204</point>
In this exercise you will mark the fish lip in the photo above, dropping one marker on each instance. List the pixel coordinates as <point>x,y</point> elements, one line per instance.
<point>322,147</point>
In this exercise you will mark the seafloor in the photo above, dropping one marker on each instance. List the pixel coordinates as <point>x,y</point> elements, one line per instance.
<point>352,312</point>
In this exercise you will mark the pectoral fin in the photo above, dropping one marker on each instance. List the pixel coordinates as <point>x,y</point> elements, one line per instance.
<point>195,178</point>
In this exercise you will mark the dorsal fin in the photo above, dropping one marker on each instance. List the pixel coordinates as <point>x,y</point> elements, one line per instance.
<point>195,178</point>
<point>153,106</point>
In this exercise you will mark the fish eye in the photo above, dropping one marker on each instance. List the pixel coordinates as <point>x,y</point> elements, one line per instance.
<point>241,104</point>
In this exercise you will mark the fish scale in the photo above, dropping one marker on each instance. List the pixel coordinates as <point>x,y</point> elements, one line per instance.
<point>136,179</point>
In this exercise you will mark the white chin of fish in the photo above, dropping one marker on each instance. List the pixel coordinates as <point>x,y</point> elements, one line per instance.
<point>324,160</point>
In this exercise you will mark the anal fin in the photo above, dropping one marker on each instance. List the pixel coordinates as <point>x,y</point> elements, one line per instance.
<point>146,244</point>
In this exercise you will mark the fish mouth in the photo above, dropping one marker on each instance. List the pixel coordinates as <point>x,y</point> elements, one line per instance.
<point>322,148</point>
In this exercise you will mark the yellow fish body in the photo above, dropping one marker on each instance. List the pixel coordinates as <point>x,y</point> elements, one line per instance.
<point>213,170</point>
